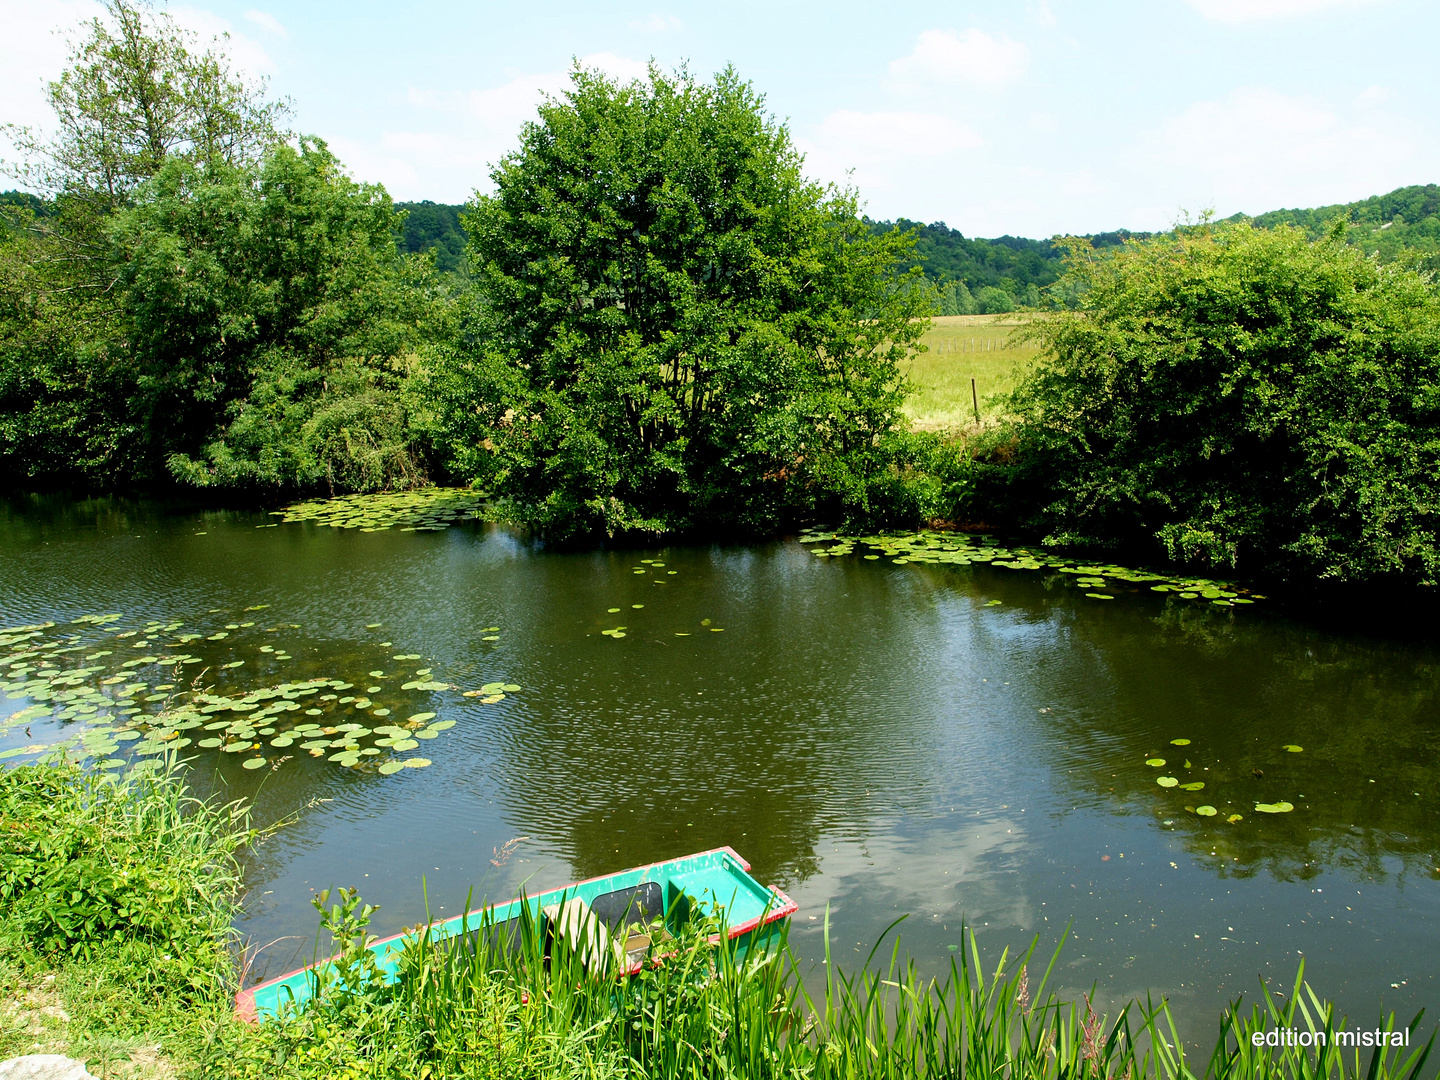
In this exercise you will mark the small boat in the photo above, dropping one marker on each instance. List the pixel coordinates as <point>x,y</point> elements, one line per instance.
<point>625,913</point>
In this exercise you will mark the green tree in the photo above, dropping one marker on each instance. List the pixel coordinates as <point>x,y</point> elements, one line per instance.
<point>993,300</point>
<point>272,320</point>
<point>1235,397</point>
<point>138,93</point>
<point>675,327</point>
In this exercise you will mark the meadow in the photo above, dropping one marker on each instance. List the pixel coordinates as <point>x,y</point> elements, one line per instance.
<point>961,348</point>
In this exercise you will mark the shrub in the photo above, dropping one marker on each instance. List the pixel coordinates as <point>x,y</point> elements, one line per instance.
<point>88,862</point>
<point>1237,398</point>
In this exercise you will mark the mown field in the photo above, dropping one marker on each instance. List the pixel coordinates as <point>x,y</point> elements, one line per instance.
<point>961,348</point>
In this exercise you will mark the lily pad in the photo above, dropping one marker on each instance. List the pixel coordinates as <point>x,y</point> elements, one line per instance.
<point>1179,742</point>
<point>254,763</point>
<point>1166,781</point>
<point>1194,786</point>
<point>1274,807</point>
<point>1233,818</point>
<point>1206,811</point>
<point>390,768</point>
<point>417,763</point>
<point>1157,762</point>
<point>1292,748</point>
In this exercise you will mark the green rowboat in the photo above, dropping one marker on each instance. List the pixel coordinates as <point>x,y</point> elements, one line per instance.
<point>595,915</point>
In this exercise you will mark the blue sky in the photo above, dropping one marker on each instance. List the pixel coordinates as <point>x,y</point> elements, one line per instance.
<point>1031,117</point>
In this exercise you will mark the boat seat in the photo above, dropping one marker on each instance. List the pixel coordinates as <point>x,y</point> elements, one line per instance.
<point>586,934</point>
<point>642,904</point>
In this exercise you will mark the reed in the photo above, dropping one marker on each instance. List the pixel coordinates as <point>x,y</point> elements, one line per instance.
<point>505,1001</point>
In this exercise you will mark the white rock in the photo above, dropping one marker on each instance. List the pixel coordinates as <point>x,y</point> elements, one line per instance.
<point>43,1067</point>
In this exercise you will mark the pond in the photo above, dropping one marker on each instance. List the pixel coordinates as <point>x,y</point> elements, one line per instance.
<point>949,742</point>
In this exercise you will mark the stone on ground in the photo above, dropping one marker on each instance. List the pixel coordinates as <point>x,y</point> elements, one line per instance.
<point>44,1067</point>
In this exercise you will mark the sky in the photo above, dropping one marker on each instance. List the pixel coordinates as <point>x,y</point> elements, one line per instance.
<point>1026,117</point>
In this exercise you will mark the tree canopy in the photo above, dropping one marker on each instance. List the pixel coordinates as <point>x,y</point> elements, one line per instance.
<point>675,327</point>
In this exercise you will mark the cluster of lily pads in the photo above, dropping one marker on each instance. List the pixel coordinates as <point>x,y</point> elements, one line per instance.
<point>962,549</point>
<point>1206,810</point>
<point>422,510</point>
<point>123,698</point>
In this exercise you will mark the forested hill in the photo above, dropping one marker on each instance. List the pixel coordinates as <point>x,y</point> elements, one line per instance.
<point>980,275</point>
<point>430,225</point>
<point>1407,218</point>
<point>987,276</point>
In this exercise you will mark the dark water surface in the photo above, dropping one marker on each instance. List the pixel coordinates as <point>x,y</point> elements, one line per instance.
<point>880,739</point>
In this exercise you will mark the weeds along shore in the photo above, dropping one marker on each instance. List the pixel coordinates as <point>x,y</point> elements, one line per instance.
<point>117,901</point>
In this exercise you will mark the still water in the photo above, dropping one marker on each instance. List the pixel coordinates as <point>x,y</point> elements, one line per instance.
<point>876,739</point>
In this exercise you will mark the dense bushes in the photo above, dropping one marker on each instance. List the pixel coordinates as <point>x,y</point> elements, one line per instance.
<point>88,863</point>
<point>1237,398</point>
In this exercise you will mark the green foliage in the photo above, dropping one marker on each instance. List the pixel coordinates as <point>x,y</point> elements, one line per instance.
<point>267,318</point>
<point>137,93</point>
<point>435,227</point>
<point>676,328</point>
<point>199,300</point>
<point>64,382</point>
<point>87,861</point>
<point>1407,220</point>
<point>1234,397</point>
<point>1008,264</point>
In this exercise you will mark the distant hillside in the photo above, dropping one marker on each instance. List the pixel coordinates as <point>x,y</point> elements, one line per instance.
<point>1407,219</point>
<point>430,225</point>
<point>987,277</point>
<point>990,276</point>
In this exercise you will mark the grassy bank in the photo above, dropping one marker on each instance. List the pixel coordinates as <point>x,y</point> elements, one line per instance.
<point>115,910</point>
<point>116,904</point>
<point>961,348</point>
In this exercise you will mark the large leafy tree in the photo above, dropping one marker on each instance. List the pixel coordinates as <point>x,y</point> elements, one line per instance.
<point>675,326</point>
<point>196,298</point>
<point>1235,397</point>
<point>138,93</point>
<point>271,317</point>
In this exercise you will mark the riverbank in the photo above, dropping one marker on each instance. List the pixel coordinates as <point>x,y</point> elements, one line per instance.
<point>116,948</point>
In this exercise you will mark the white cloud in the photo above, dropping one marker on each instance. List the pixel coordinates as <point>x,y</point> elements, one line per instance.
<point>1238,11</point>
<point>33,50</point>
<point>1258,149</point>
<point>1041,15</point>
<point>657,24</point>
<point>267,22</point>
<point>942,56</point>
<point>877,149</point>
<point>481,126</point>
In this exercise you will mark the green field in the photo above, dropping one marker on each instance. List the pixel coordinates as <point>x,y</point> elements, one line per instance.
<point>961,348</point>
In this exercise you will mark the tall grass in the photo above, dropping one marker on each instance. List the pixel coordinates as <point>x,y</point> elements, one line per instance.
<point>961,348</point>
<point>117,898</point>
<point>494,1004</point>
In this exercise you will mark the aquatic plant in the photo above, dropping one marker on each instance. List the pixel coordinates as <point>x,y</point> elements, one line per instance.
<point>956,548</point>
<point>119,713</point>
